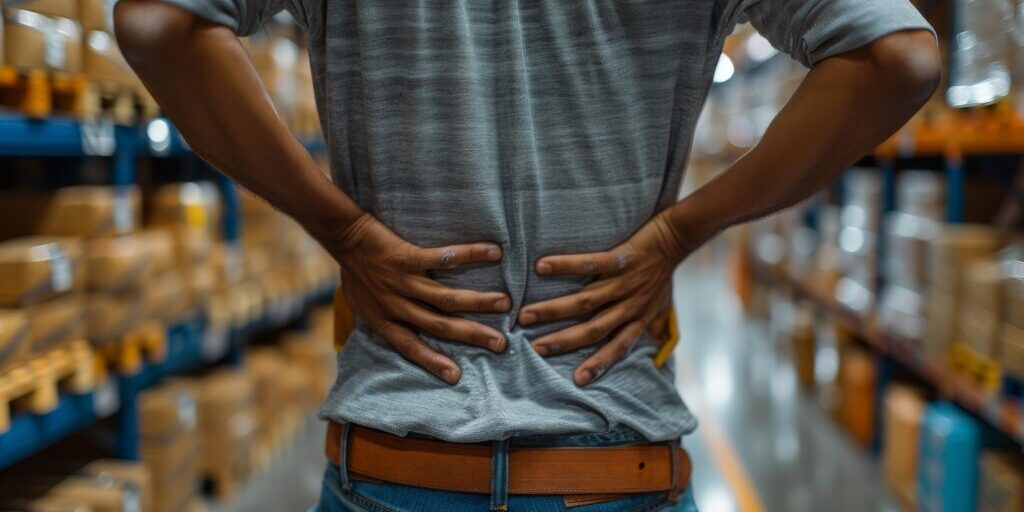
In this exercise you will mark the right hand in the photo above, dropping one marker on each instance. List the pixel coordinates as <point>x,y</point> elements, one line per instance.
<point>386,281</point>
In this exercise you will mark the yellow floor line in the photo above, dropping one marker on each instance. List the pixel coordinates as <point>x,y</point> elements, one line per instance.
<point>722,451</point>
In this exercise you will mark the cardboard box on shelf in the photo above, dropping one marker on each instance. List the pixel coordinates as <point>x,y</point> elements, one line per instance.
<point>857,395</point>
<point>164,298</point>
<point>103,63</point>
<point>103,495</point>
<point>37,41</point>
<point>1011,351</point>
<point>1001,482</point>
<point>904,409</point>
<point>170,444</point>
<point>96,15</point>
<point>118,263</point>
<point>955,248</point>
<point>55,322</point>
<point>158,245</point>
<point>59,8</point>
<point>92,211</point>
<point>13,337</point>
<point>33,269</point>
<point>980,329</point>
<point>133,473</point>
<point>191,204</point>
<point>199,284</point>
<point>57,503</point>
<point>981,286</point>
<point>110,316</point>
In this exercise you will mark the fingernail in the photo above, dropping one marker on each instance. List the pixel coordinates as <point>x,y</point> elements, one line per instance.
<point>451,376</point>
<point>494,253</point>
<point>501,305</point>
<point>498,344</point>
<point>583,378</point>
<point>543,267</point>
<point>527,318</point>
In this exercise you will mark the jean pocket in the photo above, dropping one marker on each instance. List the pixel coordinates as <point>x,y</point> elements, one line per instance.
<point>336,499</point>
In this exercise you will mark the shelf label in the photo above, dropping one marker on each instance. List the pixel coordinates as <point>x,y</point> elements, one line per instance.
<point>98,137</point>
<point>105,399</point>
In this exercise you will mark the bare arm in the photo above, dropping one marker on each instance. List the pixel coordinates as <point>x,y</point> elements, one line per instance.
<point>845,107</point>
<point>203,79</point>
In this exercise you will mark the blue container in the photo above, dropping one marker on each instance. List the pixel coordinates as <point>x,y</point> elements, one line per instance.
<point>948,471</point>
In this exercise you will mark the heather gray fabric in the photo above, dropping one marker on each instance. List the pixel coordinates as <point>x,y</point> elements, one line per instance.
<point>549,126</point>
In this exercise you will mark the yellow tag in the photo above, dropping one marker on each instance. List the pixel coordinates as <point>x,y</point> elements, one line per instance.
<point>195,215</point>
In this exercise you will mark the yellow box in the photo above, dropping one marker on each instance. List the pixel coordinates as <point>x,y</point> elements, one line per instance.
<point>33,269</point>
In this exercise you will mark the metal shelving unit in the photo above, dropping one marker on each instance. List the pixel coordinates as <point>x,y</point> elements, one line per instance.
<point>191,344</point>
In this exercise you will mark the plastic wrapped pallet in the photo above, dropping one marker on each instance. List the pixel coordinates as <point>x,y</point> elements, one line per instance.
<point>1001,483</point>
<point>117,264</point>
<point>38,41</point>
<point>950,448</point>
<point>55,322</point>
<point>33,269</point>
<point>92,211</point>
<point>13,337</point>
<point>132,473</point>
<point>169,444</point>
<point>110,316</point>
<point>904,409</point>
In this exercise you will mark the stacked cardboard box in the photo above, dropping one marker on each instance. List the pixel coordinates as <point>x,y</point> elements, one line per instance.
<point>281,395</point>
<point>42,34</point>
<point>904,409</point>
<point>227,424</point>
<point>190,213</point>
<point>858,239</point>
<point>909,233</point>
<point>41,279</point>
<point>981,312</point>
<point>856,382</point>
<point>316,357</point>
<point>954,250</point>
<point>170,445</point>
<point>131,473</point>
<point>1001,482</point>
<point>1011,346</point>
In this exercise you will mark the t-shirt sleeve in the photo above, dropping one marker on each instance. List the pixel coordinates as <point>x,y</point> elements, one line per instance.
<point>243,16</point>
<point>813,30</point>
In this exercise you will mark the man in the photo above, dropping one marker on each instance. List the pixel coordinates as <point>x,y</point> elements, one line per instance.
<point>504,213</point>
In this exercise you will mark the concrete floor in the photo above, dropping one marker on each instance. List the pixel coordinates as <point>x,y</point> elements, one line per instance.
<point>762,445</point>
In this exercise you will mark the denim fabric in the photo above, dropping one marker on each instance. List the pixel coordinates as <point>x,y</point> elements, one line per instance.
<point>373,497</point>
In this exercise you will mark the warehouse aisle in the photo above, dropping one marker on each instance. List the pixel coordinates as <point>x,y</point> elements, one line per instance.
<point>761,444</point>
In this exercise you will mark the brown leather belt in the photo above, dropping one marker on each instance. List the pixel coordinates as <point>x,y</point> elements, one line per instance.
<point>457,467</point>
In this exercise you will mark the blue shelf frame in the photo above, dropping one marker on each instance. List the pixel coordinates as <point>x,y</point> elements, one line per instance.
<point>67,137</point>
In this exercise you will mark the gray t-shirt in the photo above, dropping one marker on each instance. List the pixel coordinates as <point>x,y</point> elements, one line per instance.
<point>548,126</point>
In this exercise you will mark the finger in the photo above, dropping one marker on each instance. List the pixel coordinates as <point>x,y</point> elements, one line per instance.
<point>451,299</point>
<point>454,329</point>
<point>586,301</point>
<point>452,256</point>
<point>586,333</point>
<point>598,263</point>
<point>612,352</point>
<point>411,347</point>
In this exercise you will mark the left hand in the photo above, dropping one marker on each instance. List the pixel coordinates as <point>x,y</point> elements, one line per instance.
<point>634,287</point>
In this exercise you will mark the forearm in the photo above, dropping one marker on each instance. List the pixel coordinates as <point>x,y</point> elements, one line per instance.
<point>206,84</point>
<point>844,108</point>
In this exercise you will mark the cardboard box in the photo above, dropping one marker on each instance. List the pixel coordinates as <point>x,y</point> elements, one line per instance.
<point>13,337</point>
<point>103,62</point>
<point>57,503</point>
<point>856,387</point>
<point>36,41</point>
<point>955,248</point>
<point>1012,351</point>
<point>59,8</point>
<point>159,247</point>
<point>164,298</point>
<point>981,286</point>
<point>133,473</point>
<point>110,316</point>
<point>118,263</point>
<point>103,495</point>
<point>904,409</point>
<point>167,410</point>
<point>190,204</point>
<point>33,269</point>
<point>96,15</point>
<point>55,322</point>
<point>92,211</point>
<point>980,329</point>
<point>1001,482</point>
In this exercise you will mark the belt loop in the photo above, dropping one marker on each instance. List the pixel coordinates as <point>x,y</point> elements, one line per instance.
<point>499,476</point>
<point>676,489</point>
<point>346,483</point>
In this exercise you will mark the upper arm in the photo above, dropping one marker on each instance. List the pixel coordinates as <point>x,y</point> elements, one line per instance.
<point>243,17</point>
<point>813,30</point>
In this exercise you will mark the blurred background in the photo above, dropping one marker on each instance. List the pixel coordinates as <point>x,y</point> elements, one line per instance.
<point>166,337</point>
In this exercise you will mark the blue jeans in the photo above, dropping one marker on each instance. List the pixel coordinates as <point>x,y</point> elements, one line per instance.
<point>386,497</point>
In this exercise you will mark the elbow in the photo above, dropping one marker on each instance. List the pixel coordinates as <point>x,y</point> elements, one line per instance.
<point>147,30</point>
<point>910,61</point>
